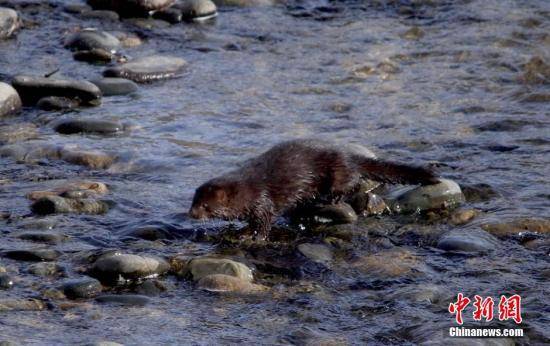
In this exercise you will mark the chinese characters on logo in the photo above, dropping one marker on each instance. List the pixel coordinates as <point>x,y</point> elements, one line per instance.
<point>508,308</point>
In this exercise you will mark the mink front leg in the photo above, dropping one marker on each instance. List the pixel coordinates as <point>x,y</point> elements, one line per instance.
<point>261,217</point>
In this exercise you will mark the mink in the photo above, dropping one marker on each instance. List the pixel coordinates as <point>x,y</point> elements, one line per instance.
<point>292,173</point>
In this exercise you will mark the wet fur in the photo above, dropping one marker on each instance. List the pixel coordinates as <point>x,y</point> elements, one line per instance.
<point>292,173</point>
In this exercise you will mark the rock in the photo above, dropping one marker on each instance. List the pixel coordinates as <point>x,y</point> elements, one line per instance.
<point>17,132</point>
<point>117,267</point>
<point>14,304</point>
<point>73,189</point>
<point>413,33</point>
<point>9,22</point>
<point>445,195</point>
<point>393,263</point>
<point>6,281</point>
<point>197,9</point>
<point>10,103</point>
<point>514,227</point>
<point>34,255</point>
<point>45,269</point>
<point>82,288</point>
<point>463,216</point>
<point>124,300</point>
<point>131,8</point>
<point>473,241</point>
<point>72,126</point>
<point>76,8</point>
<point>150,288</point>
<point>245,3</point>
<point>148,69</point>
<point>42,237</point>
<point>367,203</point>
<point>171,15</point>
<point>228,283</point>
<point>56,103</point>
<point>318,253</point>
<point>102,15</point>
<point>32,89</point>
<point>536,71</point>
<point>91,159</point>
<point>340,213</point>
<point>60,205</point>
<point>89,39</point>
<point>96,55</point>
<point>115,86</point>
<point>203,266</point>
<point>478,192</point>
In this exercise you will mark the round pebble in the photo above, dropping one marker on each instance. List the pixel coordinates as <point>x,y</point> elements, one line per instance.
<point>9,22</point>
<point>34,255</point>
<point>82,288</point>
<point>32,89</point>
<point>117,267</point>
<point>10,102</point>
<point>472,241</point>
<point>72,126</point>
<point>89,39</point>
<point>115,86</point>
<point>148,69</point>
<point>444,195</point>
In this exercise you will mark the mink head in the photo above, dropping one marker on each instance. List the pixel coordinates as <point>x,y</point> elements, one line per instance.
<point>216,199</point>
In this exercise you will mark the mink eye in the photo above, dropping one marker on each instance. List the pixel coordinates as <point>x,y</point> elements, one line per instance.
<point>205,205</point>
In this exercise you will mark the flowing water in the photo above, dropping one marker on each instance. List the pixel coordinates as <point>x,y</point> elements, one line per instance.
<point>453,92</point>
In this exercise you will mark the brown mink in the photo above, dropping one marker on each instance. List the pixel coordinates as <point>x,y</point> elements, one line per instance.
<point>294,172</point>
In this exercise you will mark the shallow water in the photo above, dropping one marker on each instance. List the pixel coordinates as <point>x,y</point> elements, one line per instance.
<point>257,76</point>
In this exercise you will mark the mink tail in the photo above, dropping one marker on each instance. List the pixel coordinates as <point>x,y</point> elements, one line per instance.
<point>395,173</point>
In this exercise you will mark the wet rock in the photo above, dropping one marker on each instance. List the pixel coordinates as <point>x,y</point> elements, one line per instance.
<point>102,15</point>
<point>17,132</point>
<point>34,255</point>
<point>30,153</point>
<point>463,216</point>
<point>514,227</point>
<point>471,241</point>
<point>45,269</point>
<point>413,33</point>
<point>148,69</point>
<point>151,288</point>
<point>115,86</point>
<point>91,159</point>
<point>171,15</point>
<point>14,304</point>
<point>367,203</point>
<point>117,267</point>
<point>245,3</point>
<point>393,263</point>
<point>536,71</point>
<point>6,281</point>
<point>89,39</point>
<point>9,22</point>
<point>204,266</point>
<point>72,126</point>
<point>444,195</point>
<point>340,213</point>
<point>124,300</point>
<point>228,283</point>
<point>131,8</point>
<point>73,189</point>
<point>82,288</point>
<point>318,253</point>
<point>60,205</point>
<point>42,237</point>
<point>197,9</point>
<point>96,55</point>
<point>32,89</point>
<point>10,103</point>
<point>56,103</point>
<point>479,192</point>
<point>76,8</point>
<point>505,125</point>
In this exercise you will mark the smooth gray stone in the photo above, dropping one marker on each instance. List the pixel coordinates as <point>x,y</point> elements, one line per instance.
<point>72,126</point>
<point>89,39</point>
<point>82,288</point>
<point>9,22</point>
<point>467,241</point>
<point>151,68</point>
<point>131,8</point>
<point>115,86</point>
<point>31,89</point>
<point>117,267</point>
<point>10,102</point>
<point>34,255</point>
<point>55,103</point>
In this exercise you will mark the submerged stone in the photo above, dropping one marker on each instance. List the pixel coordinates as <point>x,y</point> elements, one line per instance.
<point>96,55</point>
<point>473,241</point>
<point>318,253</point>
<point>204,266</point>
<point>115,86</point>
<point>124,300</point>
<point>34,255</point>
<point>82,288</point>
<point>131,8</point>
<point>60,205</point>
<point>56,103</point>
<point>228,283</point>
<point>72,126</point>
<point>198,9</point>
